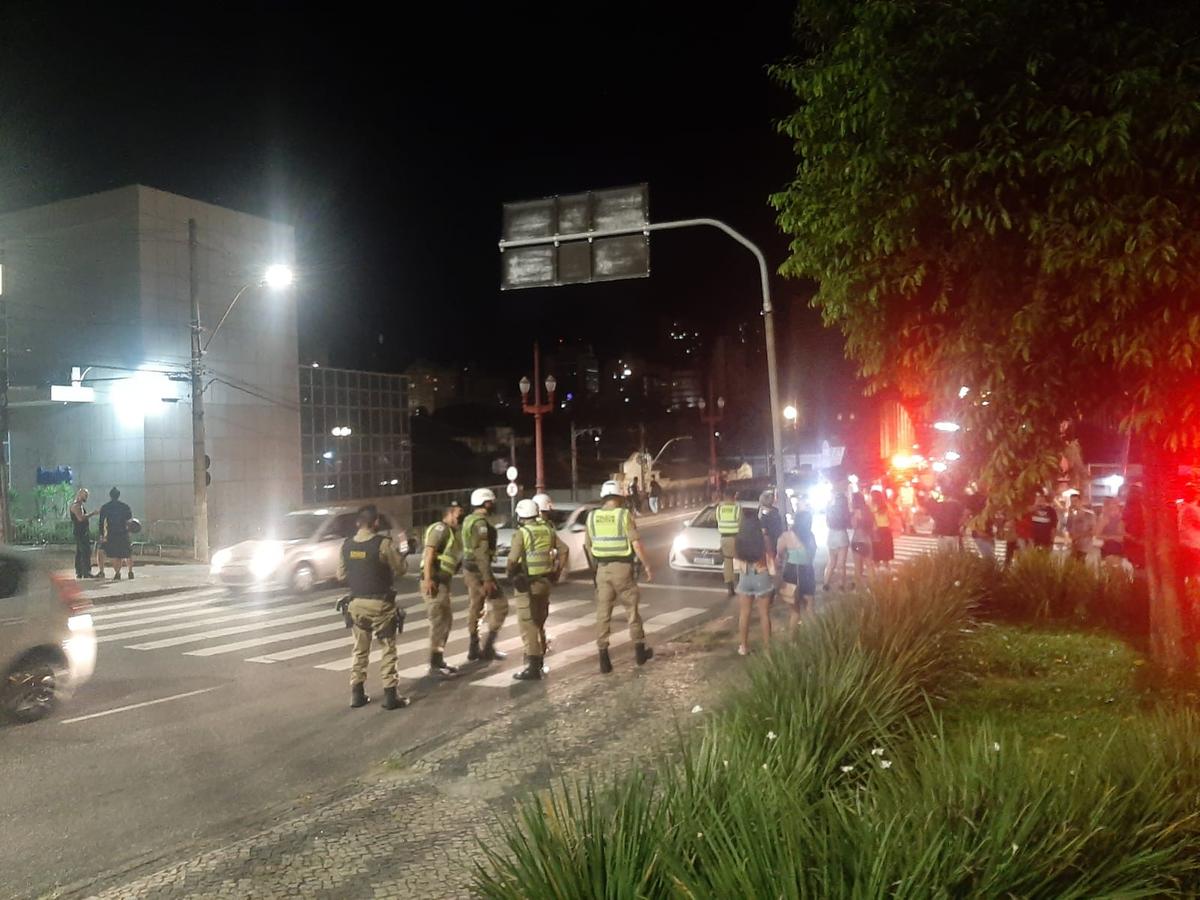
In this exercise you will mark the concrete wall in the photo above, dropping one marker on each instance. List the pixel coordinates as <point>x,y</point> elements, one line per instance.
<point>102,281</point>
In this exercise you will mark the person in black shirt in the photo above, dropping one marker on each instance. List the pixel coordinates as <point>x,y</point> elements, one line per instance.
<point>114,531</point>
<point>948,517</point>
<point>1045,522</point>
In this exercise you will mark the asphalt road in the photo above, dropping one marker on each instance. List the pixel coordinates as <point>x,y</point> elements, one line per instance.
<point>210,715</point>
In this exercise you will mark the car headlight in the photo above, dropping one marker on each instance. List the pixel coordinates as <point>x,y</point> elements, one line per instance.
<point>266,560</point>
<point>678,545</point>
<point>220,560</point>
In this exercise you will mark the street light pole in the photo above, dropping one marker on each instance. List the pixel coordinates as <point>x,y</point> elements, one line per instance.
<point>575,434</point>
<point>711,421</point>
<point>537,409</point>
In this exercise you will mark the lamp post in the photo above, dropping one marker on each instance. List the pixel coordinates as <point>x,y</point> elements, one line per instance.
<point>576,433</point>
<point>537,409</point>
<point>276,277</point>
<point>711,421</point>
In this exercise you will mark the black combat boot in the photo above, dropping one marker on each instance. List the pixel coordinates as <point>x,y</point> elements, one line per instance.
<point>643,653</point>
<point>473,650</point>
<point>729,585</point>
<point>605,662</point>
<point>489,650</point>
<point>532,672</point>
<point>391,701</point>
<point>439,666</point>
<point>358,696</point>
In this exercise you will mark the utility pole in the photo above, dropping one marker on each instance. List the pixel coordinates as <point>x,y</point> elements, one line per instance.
<point>199,471</point>
<point>575,434</point>
<point>711,420</point>
<point>537,409</point>
<point>5,443</point>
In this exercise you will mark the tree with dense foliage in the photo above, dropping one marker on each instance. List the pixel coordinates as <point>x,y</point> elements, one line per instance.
<point>1003,194</point>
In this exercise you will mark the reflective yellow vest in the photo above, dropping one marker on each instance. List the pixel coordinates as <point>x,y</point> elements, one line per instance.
<point>539,542</point>
<point>729,518</point>
<point>468,531</point>
<point>609,532</point>
<point>451,555</point>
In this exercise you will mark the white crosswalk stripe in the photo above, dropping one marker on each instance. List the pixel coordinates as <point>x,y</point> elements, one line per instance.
<point>210,623</point>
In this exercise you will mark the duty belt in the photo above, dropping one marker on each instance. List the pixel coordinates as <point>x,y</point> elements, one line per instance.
<point>607,560</point>
<point>369,596</point>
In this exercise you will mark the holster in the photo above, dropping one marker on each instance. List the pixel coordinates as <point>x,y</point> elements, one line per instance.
<point>520,582</point>
<point>343,606</point>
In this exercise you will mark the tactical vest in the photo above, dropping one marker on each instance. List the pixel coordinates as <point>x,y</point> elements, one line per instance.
<point>609,532</point>
<point>450,555</point>
<point>468,534</point>
<point>539,540</point>
<point>729,518</point>
<point>366,571</point>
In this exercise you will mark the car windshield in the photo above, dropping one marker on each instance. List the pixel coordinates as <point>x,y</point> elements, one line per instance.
<point>708,517</point>
<point>297,527</point>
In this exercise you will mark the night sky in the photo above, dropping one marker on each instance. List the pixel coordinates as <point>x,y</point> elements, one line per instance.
<point>391,140</point>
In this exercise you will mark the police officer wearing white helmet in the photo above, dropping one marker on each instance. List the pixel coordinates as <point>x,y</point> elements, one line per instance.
<point>479,548</point>
<point>536,560</point>
<point>612,544</point>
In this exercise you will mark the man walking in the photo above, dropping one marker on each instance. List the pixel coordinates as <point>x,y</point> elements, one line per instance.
<point>442,557</point>
<point>369,563</point>
<point>536,560</point>
<point>655,495</point>
<point>729,521</point>
<point>612,544</point>
<point>83,535</point>
<point>479,548</point>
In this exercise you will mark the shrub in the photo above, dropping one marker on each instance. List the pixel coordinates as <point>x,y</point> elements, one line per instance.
<point>1040,587</point>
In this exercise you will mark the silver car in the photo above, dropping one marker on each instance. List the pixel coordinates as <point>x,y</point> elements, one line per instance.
<point>47,639</point>
<point>570,521</point>
<point>298,553</point>
<point>697,548</point>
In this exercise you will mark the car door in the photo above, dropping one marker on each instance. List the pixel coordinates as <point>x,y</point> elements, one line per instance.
<point>329,545</point>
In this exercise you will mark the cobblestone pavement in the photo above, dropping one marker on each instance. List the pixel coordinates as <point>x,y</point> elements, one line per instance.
<point>413,829</point>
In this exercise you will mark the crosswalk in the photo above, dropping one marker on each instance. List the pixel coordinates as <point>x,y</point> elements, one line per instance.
<point>267,629</point>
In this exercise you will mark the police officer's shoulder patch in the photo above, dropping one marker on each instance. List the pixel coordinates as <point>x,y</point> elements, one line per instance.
<point>358,554</point>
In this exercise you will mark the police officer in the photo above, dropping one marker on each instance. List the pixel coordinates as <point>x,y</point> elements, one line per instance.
<point>612,543</point>
<point>544,505</point>
<point>536,559</point>
<point>369,562</point>
<point>729,520</point>
<point>441,559</point>
<point>479,547</point>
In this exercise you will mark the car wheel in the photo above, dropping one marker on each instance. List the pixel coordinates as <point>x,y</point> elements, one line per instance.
<point>303,578</point>
<point>30,689</point>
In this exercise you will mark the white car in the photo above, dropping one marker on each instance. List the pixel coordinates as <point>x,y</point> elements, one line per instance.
<point>299,552</point>
<point>570,520</point>
<point>698,547</point>
<point>47,640</point>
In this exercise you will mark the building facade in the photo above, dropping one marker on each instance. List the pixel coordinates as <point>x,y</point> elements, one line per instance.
<point>100,284</point>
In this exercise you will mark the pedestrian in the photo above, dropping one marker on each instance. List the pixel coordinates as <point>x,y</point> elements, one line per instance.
<point>797,550</point>
<point>80,520</point>
<point>883,549</point>
<point>837,541</point>
<point>729,520</point>
<point>1134,525</point>
<point>536,560</point>
<point>948,515</point>
<point>115,517</point>
<point>442,557</point>
<point>369,563</point>
<point>862,532</point>
<point>655,495</point>
<point>770,518</point>
<point>1081,528</point>
<point>983,531</point>
<point>612,544</point>
<point>756,582</point>
<point>479,549</point>
<point>1043,522</point>
<point>635,497</point>
<point>1110,531</point>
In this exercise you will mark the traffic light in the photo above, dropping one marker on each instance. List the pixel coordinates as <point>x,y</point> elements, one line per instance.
<point>207,466</point>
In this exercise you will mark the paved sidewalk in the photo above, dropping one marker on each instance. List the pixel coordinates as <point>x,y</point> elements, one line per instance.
<point>412,830</point>
<point>149,581</point>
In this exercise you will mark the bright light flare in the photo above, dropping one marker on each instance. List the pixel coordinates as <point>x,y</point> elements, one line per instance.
<point>267,557</point>
<point>789,413</point>
<point>278,277</point>
<point>953,456</point>
<point>140,395</point>
<point>963,391</point>
<point>220,560</point>
<point>820,495</point>
<point>1113,482</point>
<point>939,466</point>
<point>949,427</point>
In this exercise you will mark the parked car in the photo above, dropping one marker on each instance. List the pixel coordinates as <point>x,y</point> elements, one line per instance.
<point>300,552</point>
<point>698,547</point>
<point>47,639</point>
<point>569,520</point>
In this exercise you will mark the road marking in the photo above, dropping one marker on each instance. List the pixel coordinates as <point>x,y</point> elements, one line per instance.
<point>205,620</point>
<point>512,644</point>
<point>120,709</point>
<point>683,587</point>
<point>324,612</point>
<point>121,606</point>
<point>461,634</point>
<point>323,646</point>
<point>166,607</point>
<point>269,639</point>
<point>189,614</point>
<point>582,651</point>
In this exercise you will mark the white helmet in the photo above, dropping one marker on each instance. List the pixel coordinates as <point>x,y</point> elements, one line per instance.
<point>543,502</point>
<point>610,489</point>
<point>480,496</point>
<point>527,509</point>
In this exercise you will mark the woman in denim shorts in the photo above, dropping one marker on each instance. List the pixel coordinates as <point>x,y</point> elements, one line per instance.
<point>756,582</point>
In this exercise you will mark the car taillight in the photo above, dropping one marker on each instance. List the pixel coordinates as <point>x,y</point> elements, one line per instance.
<point>69,593</point>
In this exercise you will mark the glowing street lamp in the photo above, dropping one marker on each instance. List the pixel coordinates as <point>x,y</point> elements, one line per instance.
<point>537,409</point>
